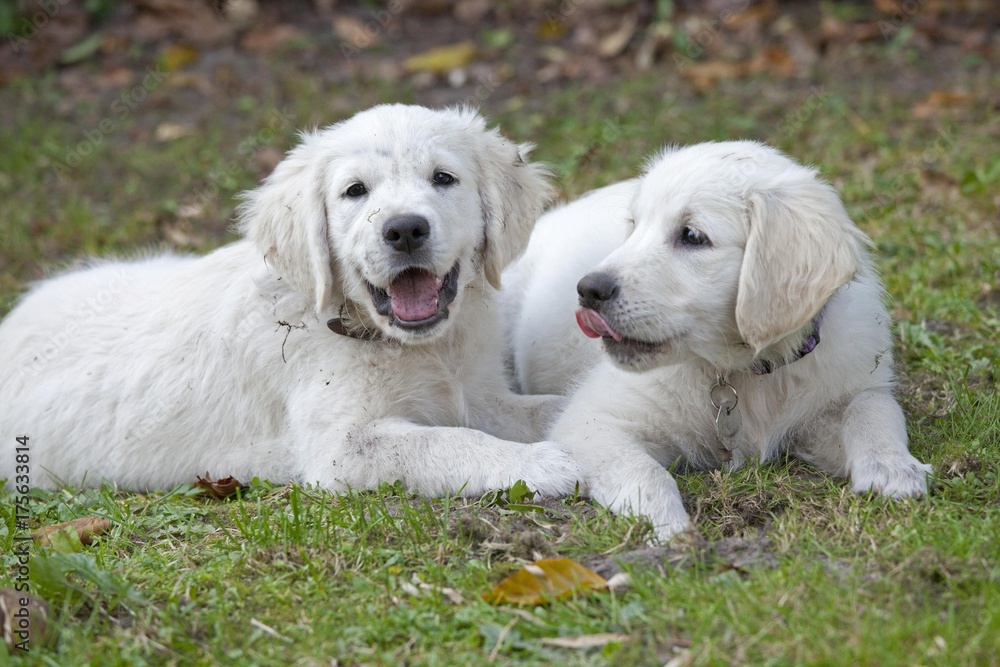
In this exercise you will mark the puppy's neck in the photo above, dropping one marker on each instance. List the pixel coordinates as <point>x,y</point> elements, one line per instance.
<point>353,321</point>
<point>791,348</point>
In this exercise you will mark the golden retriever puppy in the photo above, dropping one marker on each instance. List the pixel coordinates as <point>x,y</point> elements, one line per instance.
<point>350,339</point>
<point>731,313</point>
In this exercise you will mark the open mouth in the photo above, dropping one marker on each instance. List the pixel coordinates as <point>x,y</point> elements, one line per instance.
<point>594,325</point>
<point>416,298</point>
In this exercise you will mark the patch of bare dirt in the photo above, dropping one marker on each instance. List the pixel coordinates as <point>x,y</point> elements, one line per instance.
<point>527,535</point>
<point>742,554</point>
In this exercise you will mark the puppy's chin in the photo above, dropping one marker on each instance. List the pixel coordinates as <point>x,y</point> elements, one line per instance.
<point>421,333</point>
<point>638,356</point>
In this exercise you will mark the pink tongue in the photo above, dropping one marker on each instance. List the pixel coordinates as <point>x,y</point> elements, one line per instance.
<point>414,296</point>
<point>593,324</point>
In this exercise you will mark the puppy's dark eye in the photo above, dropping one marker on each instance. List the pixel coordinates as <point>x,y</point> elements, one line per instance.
<point>356,190</point>
<point>443,178</point>
<point>693,237</point>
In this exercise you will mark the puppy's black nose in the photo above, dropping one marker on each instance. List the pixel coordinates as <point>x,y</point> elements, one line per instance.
<point>596,288</point>
<point>406,233</point>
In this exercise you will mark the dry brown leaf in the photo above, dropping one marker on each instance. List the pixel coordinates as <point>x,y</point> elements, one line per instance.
<point>970,39</point>
<point>180,232</point>
<point>115,77</point>
<point>24,619</point>
<point>545,580</point>
<point>86,528</point>
<point>940,102</point>
<point>760,13</point>
<point>584,641</point>
<point>241,13</point>
<point>268,38</point>
<point>706,75</point>
<point>171,131</point>
<point>220,488</point>
<point>832,29</point>
<point>194,22</point>
<point>442,59</point>
<point>354,32</point>
<point>887,6</point>
<point>472,11</point>
<point>949,97</point>
<point>778,61</point>
<point>194,80</point>
<point>613,44</point>
<point>268,158</point>
<point>658,38</point>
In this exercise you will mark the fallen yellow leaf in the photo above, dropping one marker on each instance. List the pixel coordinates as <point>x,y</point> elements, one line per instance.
<point>545,580</point>
<point>177,56</point>
<point>442,59</point>
<point>551,29</point>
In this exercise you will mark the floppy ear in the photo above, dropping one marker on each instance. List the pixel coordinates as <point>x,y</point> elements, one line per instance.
<point>513,193</point>
<point>801,247</point>
<point>286,218</point>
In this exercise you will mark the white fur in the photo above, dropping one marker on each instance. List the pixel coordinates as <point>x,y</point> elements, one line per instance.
<point>781,247</point>
<point>144,374</point>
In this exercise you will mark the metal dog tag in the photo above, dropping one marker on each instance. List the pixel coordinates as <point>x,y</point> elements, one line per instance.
<point>728,421</point>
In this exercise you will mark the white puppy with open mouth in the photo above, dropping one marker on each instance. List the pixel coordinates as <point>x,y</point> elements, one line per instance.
<point>739,315</point>
<point>350,339</point>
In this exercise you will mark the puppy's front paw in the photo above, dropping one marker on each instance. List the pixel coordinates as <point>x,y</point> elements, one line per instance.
<point>904,477</point>
<point>653,496</point>
<point>549,470</point>
<point>666,528</point>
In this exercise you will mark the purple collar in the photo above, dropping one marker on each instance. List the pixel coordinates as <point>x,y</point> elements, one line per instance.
<point>764,367</point>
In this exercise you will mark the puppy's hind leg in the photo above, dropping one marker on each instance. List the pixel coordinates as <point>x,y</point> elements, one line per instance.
<point>875,448</point>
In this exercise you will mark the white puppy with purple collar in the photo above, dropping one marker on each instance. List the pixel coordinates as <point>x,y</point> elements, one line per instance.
<point>740,317</point>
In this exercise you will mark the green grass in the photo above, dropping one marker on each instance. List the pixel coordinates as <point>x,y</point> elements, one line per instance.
<point>789,567</point>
